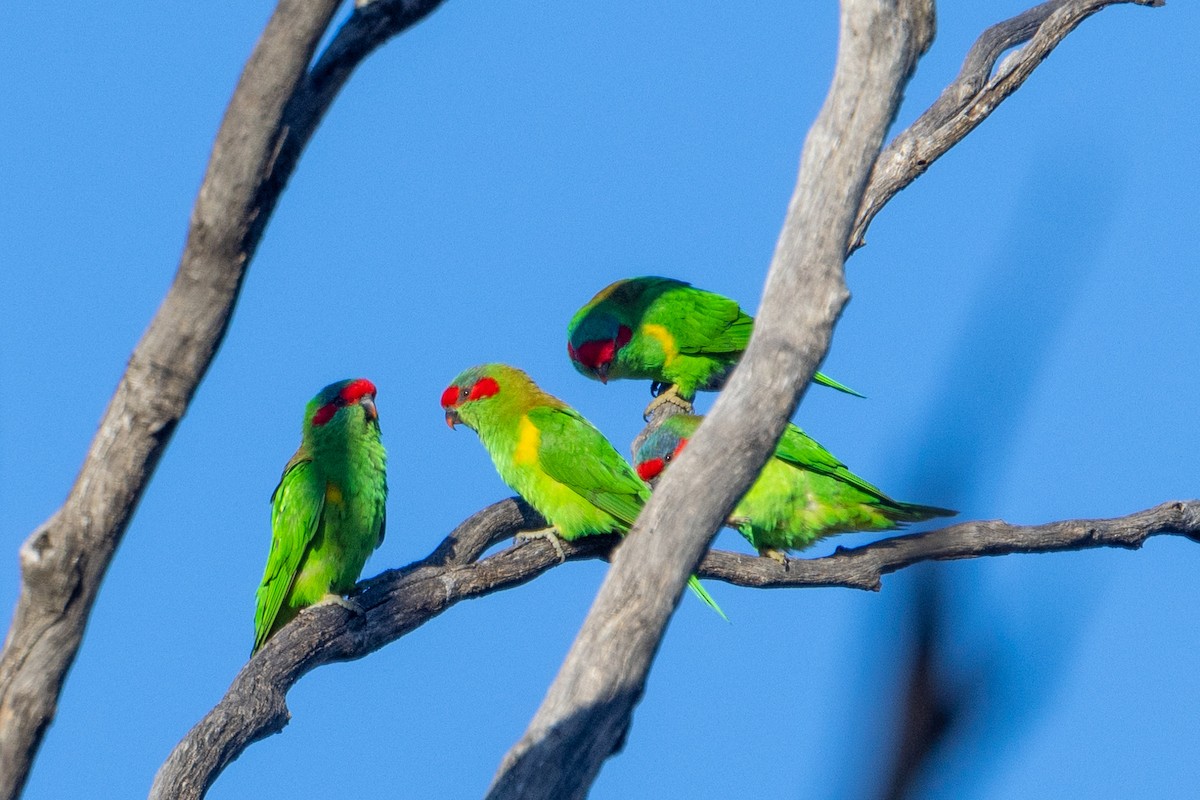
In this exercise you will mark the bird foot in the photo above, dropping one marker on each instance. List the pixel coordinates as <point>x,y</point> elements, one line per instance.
<point>668,396</point>
<point>332,599</point>
<point>775,555</point>
<point>549,534</point>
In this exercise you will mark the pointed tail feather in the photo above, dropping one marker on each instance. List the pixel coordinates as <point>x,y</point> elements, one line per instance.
<point>825,380</point>
<point>699,591</point>
<point>911,512</point>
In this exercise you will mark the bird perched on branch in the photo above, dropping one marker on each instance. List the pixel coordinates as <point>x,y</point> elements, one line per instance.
<point>327,513</point>
<point>684,339</point>
<point>550,455</point>
<point>802,494</point>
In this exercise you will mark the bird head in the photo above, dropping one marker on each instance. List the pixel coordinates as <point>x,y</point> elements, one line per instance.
<point>593,344</point>
<point>340,403</point>
<point>660,448</point>
<point>481,390</point>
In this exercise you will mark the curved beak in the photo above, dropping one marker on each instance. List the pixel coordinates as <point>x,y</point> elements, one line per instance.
<point>452,418</point>
<point>369,408</point>
<point>602,371</point>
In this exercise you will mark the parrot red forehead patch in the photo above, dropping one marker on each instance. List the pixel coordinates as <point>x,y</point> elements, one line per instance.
<point>598,352</point>
<point>481,389</point>
<point>648,470</point>
<point>356,390</point>
<point>484,387</point>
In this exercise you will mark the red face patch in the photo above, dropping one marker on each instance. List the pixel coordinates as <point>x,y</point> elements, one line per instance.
<point>356,390</point>
<point>484,387</point>
<point>350,394</point>
<point>648,470</point>
<point>652,467</point>
<point>598,352</point>
<point>324,414</point>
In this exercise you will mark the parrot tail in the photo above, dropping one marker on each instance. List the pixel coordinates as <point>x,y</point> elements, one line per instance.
<point>699,591</point>
<point>825,380</point>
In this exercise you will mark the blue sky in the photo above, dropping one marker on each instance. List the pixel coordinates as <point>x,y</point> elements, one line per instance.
<point>1023,322</point>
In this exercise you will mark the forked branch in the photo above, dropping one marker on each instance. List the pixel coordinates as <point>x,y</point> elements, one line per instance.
<point>400,601</point>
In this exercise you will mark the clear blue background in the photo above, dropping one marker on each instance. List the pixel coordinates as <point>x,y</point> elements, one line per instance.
<point>1023,321</point>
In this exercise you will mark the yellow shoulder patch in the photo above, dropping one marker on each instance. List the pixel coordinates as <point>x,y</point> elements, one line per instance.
<point>664,339</point>
<point>333,494</point>
<point>528,440</point>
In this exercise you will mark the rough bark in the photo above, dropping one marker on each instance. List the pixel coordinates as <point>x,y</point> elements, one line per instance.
<point>274,110</point>
<point>587,710</point>
<point>400,601</point>
<point>973,95</point>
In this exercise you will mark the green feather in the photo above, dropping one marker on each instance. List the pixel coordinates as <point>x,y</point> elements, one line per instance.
<point>802,494</point>
<point>551,455</point>
<point>678,335</point>
<point>327,513</point>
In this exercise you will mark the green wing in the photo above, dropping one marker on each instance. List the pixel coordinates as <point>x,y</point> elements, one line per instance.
<point>701,322</point>
<point>801,450</point>
<point>296,508</point>
<point>573,452</point>
<point>705,323</point>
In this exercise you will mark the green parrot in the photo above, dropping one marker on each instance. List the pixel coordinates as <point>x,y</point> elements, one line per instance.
<point>327,513</point>
<point>666,331</point>
<point>550,455</point>
<point>802,494</point>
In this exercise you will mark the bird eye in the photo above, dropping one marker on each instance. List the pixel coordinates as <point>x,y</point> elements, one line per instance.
<point>462,393</point>
<point>667,459</point>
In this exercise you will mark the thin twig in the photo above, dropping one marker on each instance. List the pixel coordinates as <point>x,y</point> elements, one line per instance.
<point>973,95</point>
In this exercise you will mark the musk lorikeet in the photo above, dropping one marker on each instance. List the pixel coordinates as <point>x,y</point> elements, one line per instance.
<point>550,455</point>
<point>802,494</point>
<point>327,513</point>
<point>666,331</point>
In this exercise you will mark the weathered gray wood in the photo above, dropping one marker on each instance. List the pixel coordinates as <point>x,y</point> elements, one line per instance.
<point>400,601</point>
<point>64,560</point>
<point>973,96</point>
<point>588,708</point>
<point>274,110</point>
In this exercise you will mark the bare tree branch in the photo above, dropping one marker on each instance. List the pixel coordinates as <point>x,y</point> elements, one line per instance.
<point>399,601</point>
<point>273,112</point>
<point>587,710</point>
<point>973,95</point>
<point>272,115</point>
<point>864,567</point>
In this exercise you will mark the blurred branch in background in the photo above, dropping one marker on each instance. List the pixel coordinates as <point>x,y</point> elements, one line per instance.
<point>967,432</point>
<point>929,706</point>
<point>279,101</point>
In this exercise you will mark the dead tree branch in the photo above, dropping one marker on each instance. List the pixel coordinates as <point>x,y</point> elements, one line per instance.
<point>973,95</point>
<point>273,113</point>
<point>587,710</point>
<point>400,601</point>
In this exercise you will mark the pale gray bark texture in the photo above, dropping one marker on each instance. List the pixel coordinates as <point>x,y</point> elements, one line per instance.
<point>974,95</point>
<point>273,112</point>
<point>278,103</point>
<point>587,710</point>
<point>400,601</point>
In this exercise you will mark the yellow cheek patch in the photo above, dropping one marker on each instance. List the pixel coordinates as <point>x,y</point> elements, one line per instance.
<point>665,340</point>
<point>528,439</point>
<point>333,494</point>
